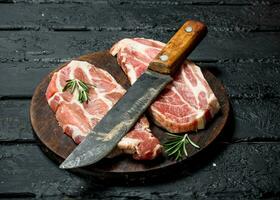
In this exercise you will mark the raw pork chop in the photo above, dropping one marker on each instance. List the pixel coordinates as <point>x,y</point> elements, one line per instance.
<point>77,119</point>
<point>186,103</point>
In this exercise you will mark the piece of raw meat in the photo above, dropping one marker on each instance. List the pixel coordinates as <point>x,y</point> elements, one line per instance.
<point>77,119</point>
<point>186,104</point>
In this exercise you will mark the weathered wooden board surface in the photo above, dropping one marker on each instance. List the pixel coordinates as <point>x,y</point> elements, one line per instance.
<point>242,49</point>
<point>250,175</point>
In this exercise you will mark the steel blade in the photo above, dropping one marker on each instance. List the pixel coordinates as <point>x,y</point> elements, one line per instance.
<point>118,121</point>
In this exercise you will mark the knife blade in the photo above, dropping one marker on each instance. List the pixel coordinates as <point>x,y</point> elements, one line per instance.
<point>125,113</point>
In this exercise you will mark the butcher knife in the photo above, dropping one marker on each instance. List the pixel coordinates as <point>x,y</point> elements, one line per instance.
<point>125,113</point>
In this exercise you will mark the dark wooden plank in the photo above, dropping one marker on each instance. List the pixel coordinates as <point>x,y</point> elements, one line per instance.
<point>137,16</point>
<point>231,171</point>
<point>158,2</point>
<point>244,79</point>
<point>256,119</point>
<point>45,49</point>
<point>11,47</point>
<point>249,78</point>
<point>34,46</point>
<point>14,121</point>
<point>202,2</point>
<point>253,120</point>
<point>22,78</point>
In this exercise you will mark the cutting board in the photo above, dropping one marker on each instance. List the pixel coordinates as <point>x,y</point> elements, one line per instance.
<point>58,146</point>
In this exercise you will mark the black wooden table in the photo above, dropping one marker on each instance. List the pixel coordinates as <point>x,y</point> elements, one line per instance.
<point>242,49</point>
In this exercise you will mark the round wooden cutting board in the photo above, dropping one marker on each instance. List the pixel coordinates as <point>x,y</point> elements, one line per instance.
<point>59,146</point>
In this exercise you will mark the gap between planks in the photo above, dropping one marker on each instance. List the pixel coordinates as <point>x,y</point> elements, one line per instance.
<point>83,28</point>
<point>200,61</point>
<point>146,2</point>
<point>17,195</point>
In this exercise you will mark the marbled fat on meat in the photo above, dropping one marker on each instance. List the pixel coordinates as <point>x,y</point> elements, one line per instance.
<point>77,119</point>
<point>186,104</point>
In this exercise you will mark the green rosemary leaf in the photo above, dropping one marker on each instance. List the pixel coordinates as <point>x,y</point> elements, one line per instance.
<point>173,135</point>
<point>67,86</point>
<point>175,151</point>
<point>172,141</point>
<point>178,156</point>
<point>80,86</point>
<point>83,85</point>
<point>191,142</point>
<point>185,149</point>
<point>84,95</point>
<point>172,148</point>
<point>73,87</point>
<point>80,97</point>
<point>177,145</point>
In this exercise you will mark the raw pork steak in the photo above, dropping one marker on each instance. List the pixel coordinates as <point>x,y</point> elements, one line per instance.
<point>186,103</point>
<point>77,119</point>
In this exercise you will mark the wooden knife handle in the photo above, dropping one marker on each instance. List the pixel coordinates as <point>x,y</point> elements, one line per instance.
<point>179,46</point>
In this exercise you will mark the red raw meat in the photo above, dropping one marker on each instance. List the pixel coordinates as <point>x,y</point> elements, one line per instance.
<point>186,104</point>
<point>77,119</point>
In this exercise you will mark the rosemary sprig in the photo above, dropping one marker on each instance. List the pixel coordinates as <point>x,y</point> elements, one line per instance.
<point>176,146</point>
<point>82,87</point>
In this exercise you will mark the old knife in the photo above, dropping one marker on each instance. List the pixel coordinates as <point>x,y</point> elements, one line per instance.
<point>125,113</point>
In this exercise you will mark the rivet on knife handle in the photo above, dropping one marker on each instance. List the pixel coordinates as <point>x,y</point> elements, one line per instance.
<point>178,47</point>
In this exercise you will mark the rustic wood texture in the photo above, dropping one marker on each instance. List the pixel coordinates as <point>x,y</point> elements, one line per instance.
<point>222,175</point>
<point>56,142</point>
<point>241,49</point>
